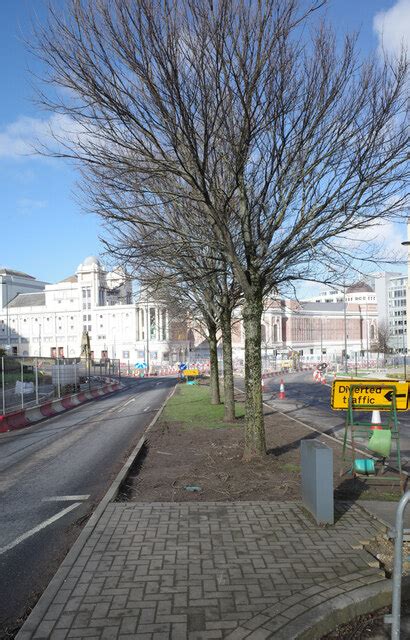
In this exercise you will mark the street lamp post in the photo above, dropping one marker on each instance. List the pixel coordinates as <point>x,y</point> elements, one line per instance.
<point>345,324</point>
<point>406,243</point>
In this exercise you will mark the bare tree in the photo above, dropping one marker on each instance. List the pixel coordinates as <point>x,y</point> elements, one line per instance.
<point>282,142</point>
<point>206,286</point>
<point>381,344</point>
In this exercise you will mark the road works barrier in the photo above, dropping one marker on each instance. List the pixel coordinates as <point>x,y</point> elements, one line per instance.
<point>26,417</point>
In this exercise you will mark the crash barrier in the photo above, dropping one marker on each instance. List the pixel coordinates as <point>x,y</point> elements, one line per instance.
<point>48,409</point>
<point>317,480</point>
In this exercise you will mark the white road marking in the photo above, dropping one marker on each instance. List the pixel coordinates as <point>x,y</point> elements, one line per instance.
<point>124,405</point>
<point>146,408</point>
<point>66,498</point>
<point>38,528</point>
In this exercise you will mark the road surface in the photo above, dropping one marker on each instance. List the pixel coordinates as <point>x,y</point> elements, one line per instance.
<point>52,476</point>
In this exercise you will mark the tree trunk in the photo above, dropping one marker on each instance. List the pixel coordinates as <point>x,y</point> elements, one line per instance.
<point>255,444</point>
<point>229,400</point>
<point>213,357</point>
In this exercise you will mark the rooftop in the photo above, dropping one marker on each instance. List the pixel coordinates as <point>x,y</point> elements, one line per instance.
<point>4,271</point>
<point>28,300</point>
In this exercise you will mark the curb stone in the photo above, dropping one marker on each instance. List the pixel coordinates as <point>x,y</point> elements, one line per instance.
<point>40,609</point>
<point>325,617</point>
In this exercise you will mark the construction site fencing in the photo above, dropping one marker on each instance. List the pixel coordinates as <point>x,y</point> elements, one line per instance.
<point>27,382</point>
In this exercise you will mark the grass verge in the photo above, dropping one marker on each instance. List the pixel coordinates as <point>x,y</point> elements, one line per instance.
<point>191,407</point>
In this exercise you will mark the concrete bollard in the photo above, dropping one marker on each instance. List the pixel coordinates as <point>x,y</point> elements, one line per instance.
<point>317,480</point>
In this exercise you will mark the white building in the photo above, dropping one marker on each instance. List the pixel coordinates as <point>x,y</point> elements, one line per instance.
<point>14,282</point>
<point>50,320</point>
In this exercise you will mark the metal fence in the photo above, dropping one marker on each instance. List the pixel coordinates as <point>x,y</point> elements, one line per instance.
<point>26,382</point>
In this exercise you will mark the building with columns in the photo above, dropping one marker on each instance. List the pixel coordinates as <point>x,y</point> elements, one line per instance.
<point>47,320</point>
<point>314,330</point>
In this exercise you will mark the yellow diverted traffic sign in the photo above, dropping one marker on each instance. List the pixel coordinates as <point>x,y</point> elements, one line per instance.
<point>369,393</point>
<point>191,372</point>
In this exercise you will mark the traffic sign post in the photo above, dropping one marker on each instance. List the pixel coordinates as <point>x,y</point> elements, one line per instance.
<point>381,395</point>
<point>191,375</point>
<point>376,394</point>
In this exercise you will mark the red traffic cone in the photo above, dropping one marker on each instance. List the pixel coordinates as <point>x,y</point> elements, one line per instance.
<point>376,421</point>
<point>281,390</point>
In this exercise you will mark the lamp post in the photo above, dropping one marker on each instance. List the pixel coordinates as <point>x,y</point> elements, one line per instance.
<point>345,324</point>
<point>406,243</point>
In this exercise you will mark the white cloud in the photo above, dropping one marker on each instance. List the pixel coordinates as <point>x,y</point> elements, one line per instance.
<point>28,205</point>
<point>24,136</point>
<point>393,27</point>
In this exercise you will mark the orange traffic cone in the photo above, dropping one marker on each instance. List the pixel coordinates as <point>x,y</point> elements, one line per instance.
<point>376,421</point>
<point>281,390</point>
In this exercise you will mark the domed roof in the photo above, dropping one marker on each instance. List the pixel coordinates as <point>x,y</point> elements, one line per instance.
<point>360,287</point>
<point>90,260</point>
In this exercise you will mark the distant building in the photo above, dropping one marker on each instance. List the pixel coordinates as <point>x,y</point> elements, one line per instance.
<point>314,331</point>
<point>14,282</point>
<point>48,319</point>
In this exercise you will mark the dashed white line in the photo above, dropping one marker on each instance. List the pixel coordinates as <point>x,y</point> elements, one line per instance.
<point>146,408</point>
<point>38,528</point>
<point>66,498</point>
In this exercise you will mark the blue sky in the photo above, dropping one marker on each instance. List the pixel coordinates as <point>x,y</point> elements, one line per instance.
<point>43,229</point>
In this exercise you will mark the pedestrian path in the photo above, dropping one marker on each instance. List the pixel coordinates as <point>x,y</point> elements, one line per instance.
<point>254,570</point>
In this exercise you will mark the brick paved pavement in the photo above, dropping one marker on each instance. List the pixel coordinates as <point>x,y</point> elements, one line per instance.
<point>207,570</point>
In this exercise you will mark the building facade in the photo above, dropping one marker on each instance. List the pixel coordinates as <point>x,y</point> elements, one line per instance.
<point>49,321</point>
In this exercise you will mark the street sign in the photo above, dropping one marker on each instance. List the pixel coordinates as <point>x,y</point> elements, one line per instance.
<point>191,372</point>
<point>370,392</point>
<point>182,366</point>
<point>140,365</point>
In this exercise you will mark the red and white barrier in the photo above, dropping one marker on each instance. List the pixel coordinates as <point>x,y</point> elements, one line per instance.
<point>26,417</point>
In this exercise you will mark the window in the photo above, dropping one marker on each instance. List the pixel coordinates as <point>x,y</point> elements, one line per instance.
<point>89,327</point>
<point>89,318</point>
<point>84,318</point>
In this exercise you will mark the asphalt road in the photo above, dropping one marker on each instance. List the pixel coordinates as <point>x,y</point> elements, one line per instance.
<point>52,475</point>
<point>309,402</point>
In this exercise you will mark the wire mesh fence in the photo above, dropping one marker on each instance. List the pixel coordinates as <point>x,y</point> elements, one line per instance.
<point>27,382</point>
